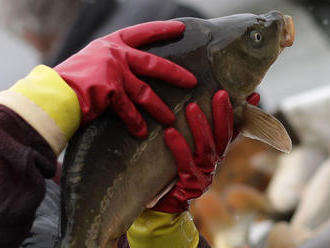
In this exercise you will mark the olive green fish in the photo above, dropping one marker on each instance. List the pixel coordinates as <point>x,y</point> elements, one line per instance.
<point>110,177</point>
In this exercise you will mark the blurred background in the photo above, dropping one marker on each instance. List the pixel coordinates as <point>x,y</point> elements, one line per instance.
<point>289,75</point>
<point>260,198</point>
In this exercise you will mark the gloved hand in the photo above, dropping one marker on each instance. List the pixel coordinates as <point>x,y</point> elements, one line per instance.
<point>167,224</point>
<point>195,172</point>
<point>103,74</point>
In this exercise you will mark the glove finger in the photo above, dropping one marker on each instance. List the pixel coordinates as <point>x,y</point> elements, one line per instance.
<point>223,121</point>
<point>146,64</point>
<point>142,94</point>
<point>194,185</point>
<point>254,99</point>
<point>205,149</point>
<point>132,118</point>
<point>143,34</point>
<point>181,152</point>
<point>186,194</point>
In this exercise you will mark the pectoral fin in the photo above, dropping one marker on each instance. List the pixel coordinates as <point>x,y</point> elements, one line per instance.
<point>266,128</point>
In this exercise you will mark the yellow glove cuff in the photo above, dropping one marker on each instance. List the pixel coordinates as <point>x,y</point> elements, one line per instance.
<point>162,230</point>
<point>47,103</point>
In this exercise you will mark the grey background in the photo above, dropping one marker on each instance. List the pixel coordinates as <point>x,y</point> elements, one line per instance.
<point>16,59</point>
<point>299,68</point>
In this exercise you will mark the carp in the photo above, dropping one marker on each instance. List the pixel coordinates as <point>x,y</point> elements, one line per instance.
<point>109,177</point>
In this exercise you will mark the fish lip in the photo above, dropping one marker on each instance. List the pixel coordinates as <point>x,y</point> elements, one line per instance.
<point>288,37</point>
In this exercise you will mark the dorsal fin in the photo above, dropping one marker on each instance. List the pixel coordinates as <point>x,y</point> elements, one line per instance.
<point>266,128</point>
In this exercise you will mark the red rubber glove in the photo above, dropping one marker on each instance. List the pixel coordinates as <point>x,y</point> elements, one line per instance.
<point>196,171</point>
<point>103,74</point>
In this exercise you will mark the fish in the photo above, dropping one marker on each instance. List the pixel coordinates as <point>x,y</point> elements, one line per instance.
<point>110,177</point>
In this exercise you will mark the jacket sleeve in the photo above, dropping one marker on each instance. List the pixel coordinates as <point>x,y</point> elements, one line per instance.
<point>158,229</point>
<point>25,160</point>
<point>37,117</point>
<point>47,103</point>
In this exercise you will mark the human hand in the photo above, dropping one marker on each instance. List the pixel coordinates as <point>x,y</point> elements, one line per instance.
<point>195,172</point>
<point>104,74</point>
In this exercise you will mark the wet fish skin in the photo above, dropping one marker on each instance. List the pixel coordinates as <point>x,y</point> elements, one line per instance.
<point>109,176</point>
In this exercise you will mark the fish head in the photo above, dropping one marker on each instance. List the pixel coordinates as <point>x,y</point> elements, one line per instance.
<point>244,46</point>
<point>241,50</point>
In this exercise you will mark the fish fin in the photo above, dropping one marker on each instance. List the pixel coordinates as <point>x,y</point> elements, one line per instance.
<point>266,128</point>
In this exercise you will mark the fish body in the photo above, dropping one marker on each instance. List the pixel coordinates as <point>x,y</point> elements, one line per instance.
<point>109,176</point>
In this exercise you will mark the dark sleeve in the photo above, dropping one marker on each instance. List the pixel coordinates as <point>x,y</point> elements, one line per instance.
<point>123,243</point>
<point>25,160</point>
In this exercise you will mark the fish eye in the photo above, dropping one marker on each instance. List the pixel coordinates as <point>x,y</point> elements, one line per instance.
<point>256,38</point>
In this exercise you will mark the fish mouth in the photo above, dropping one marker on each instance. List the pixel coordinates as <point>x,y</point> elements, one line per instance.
<point>288,37</point>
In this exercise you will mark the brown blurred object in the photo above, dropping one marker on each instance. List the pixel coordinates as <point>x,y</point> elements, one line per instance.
<point>243,199</point>
<point>210,214</point>
<point>224,219</point>
<point>236,197</point>
<point>239,165</point>
<point>281,236</point>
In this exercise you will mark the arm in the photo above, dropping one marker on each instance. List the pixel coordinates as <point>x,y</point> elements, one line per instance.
<point>51,104</point>
<point>31,138</point>
<point>26,159</point>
